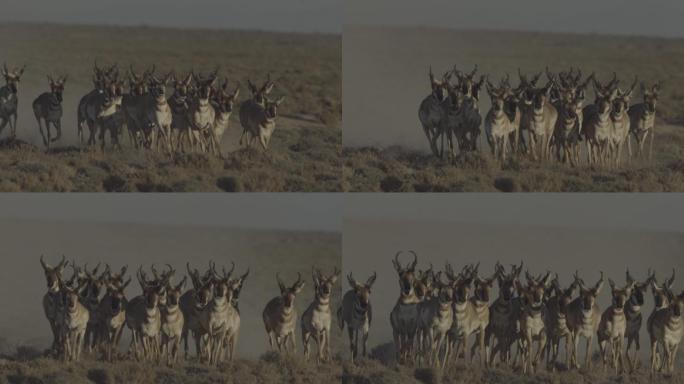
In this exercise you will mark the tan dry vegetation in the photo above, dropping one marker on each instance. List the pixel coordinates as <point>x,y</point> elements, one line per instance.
<point>385,148</point>
<point>304,152</point>
<point>270,368</point>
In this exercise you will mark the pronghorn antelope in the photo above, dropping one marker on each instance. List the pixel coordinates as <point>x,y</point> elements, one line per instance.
<point>259,121</point>
<point>172,321</point>
<point>52,299</point>
<point>316,319</point>
<point>499,124</point>
<point>75,320</point>
<point>404,315</point>
<point>435,317</point>
<point>158,114</point>
<point>143,318</point>
<point>540,119</point>
<point>225,102</point>
<point>214,317</point>
<point>8,98</point>
<point>48,108</point>
<point>662,296</point>
<point>480,304</point>
<point>570,96</point>
<point>525,96</point>
<point>109,115</point>
<point>597,126</point>
<point>433,108</point>
<point>633,316</point>
<point>556,321</point>
<point>280,315</point>
<point>642,118</point>
<point>356,312</point>
<point>613,327</point>
<point>193,303</point>
<point>469,314</point>
<point>112,315</point>
<point>452,119</point>
<point>90,103</point>
<point>180,106</point>
<point>233,319</point>
<point>467,130</point>
<point>202,114</point>
<point>424,284</point>
<point>666,327</point>
<point>530,322</point>
<point>621,123</point>
<point>133,105</point>
<point>502,314</point>
<point>90,298</point>
<point>257,115</point>
<point>583,318</point>
<point>259,94</point>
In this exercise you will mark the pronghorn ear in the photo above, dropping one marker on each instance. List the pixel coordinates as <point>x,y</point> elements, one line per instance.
<point>298,287</point>
<point>612,284</point>
<point>236,93</point>
<point>181,285</point>
<point>123,287</point>
<point>280,100</point>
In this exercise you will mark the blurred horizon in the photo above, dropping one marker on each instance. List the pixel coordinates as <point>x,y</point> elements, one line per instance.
<point>303,16</point>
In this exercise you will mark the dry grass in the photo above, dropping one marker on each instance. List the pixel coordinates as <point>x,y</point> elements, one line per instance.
<point>305,149</point>
<point>380,369</point>
<point>304,159</point>
<point>397,169</point>
<point>270,368</point>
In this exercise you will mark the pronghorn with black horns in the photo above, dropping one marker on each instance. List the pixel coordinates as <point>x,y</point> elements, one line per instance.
<point>133,105</point>
<point>74,318</point>
<point>502,314</point>
<point>225,103</point>
<point>466,320</point>
<point>214,318</point>
<point>316,319</point>
<point>91,103</point>
<point>556,320</point>
<point>356,313</point>
<point>172,321</point>
<point>48,108</point>
<point>613,327</point>
<point>540,119</point>
<point>143,318</point>
<point>435,317</point>
<point>432,109</point>
<point>666,327</point>
<point>583,318</point>
<point>112,315</point>
<point>193,302</point>
<point>531,319</point>
<point>52,303</point>
<point>183,90</point>
<point>621,123</point>
<point>404,315</point>
<point>662,296</point>
<point>500,123</point>
<point>642,118</point>
<point>158,116</point>
<point>634,317</point>
<point>258,114</point>
<point>597,125</point>
<point>9,103</point>
<point>202,114</point>
<point>280,316</point>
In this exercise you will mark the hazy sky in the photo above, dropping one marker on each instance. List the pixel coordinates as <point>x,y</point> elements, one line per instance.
<point>317,212</point>
<point>655,212</point>
<point>639,17</point>
<point>276,15</point>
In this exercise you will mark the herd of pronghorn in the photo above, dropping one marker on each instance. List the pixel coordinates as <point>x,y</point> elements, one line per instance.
<point>193,117</point>
<point>539,120</point>
<point>432,321</point>
<point>437,312</point>
<point>89,311</point>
